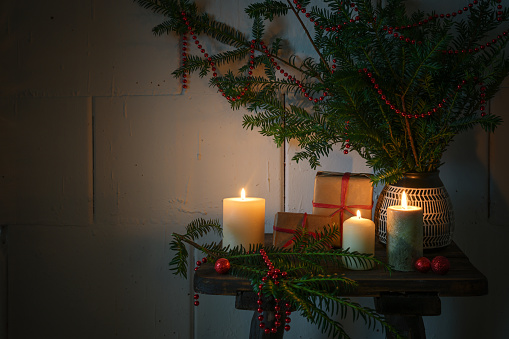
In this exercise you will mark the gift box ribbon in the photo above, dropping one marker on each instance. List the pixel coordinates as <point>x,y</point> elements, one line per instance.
<point>290,231</point>
<point>342,207</point>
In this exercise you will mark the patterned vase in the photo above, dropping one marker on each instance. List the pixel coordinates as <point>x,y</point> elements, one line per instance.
<point>427,191</point>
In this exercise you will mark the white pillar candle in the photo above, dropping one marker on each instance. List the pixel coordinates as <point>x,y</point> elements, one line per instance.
<point>404,235</point>
<point>243,221</point>
<point>359,236</point>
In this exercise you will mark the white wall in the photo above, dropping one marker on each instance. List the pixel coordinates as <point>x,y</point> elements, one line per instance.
<point>104,157</point>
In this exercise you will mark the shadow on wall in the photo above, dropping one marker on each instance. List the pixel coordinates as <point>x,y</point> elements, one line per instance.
<point>3,281</point>
<point>467,175</point>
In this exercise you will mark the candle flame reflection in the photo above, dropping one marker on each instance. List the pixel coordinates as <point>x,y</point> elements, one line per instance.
<point>358,214</point>
<point>243,194</point>
<point>403,200</point>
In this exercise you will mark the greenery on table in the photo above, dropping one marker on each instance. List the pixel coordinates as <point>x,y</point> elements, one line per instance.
<point>308,287</point>
<point>421,63</point>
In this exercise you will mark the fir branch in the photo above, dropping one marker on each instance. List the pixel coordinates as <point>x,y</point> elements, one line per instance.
<point>411,139</point>
<point>306,286</point>
<point>196,229</point>
<point>267,9</point>
<point>416,69</point>
<point>309,36</point>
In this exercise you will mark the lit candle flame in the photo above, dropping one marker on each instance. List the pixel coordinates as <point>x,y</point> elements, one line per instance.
<point>358,214</point>
<point>243,194</point>
<point>403,200</point>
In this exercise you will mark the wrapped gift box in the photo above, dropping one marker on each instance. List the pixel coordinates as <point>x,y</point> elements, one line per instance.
<point>343,194</point>
<point>285,224</point>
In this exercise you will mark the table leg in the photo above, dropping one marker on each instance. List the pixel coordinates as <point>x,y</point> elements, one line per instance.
<point>258,333</point>
<point>409,326</point>
<point>404,312</point>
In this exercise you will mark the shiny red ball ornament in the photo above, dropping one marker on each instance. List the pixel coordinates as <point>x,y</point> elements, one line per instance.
<point>222,266</point>
<point>440,265</point>
<point>422,264</point>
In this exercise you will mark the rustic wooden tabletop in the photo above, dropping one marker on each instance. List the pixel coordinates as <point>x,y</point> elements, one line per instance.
<point>403,297</point>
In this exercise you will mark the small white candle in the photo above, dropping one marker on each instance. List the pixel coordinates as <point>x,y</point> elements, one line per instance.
<point>404,235</point>
<point>243,221</point>
<point>359,235</point>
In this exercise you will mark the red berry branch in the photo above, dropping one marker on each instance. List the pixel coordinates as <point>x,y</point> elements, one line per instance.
<point>396,31</point>
<point>441,105</point>
<point>209,59</point>
<point>222,266</point>
<point>327,29</point>
<point>264,48</point>
<point>273,274</point>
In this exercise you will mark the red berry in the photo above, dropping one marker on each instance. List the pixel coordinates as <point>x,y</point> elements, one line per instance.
<point>422,265</point>
<point>196,303</point>
<point>222,266</point>
<point>440,265</point>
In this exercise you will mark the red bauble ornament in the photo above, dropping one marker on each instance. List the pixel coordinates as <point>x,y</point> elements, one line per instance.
<point>422,264</point>
<point>222,266</point>
<point>440,265</point>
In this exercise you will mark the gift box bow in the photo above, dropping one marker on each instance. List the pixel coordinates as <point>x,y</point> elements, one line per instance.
<point>292,231</point>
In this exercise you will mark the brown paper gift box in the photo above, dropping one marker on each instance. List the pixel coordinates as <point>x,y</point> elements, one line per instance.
<point>285,223</point>
<point>328,191</point>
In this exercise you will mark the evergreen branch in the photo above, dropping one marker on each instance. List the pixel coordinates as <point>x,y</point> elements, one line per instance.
<point>411,139</point>
<point>430,54</point>
<point>222,32</point>
<point>418,69</point>
<point>308,35</point>
<point>316,313</point>
<point>267,9</point>
<point>305,287</point>
<point>194,230</point>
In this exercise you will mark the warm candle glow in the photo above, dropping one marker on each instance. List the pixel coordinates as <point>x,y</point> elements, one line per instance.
<point>403,200</point>
<point>243,220</point>
<point>359,235</point>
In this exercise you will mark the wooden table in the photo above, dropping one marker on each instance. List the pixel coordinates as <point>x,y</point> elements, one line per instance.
<point>403,297</point>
